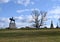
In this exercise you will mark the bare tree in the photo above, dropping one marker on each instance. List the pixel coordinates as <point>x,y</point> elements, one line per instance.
<point>38,17</point>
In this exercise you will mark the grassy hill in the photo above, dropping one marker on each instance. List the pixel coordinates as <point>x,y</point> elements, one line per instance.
<point>30,35</point>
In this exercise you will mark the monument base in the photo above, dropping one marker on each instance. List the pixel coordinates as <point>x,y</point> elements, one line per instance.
<point>12,26</point>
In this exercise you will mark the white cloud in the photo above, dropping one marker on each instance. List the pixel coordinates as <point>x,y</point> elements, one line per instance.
<point>24,2</point>
<point>19,18</point>
<point>54,13</point>
<point>4,1</point>
<point>55,10</point>
<point>20,11</point>
<point>54,17</point>
<point>24,18</point>
<point>21,21</point>
<point>4,19</point>
<point>4,22</point>
<point>32,3</point>
<point>19,24</point>
<point>26,10</point>
<point>29,18</point>
<point>55,0</point>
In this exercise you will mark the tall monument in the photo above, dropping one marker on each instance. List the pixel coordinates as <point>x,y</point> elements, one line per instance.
<point>12,24</point>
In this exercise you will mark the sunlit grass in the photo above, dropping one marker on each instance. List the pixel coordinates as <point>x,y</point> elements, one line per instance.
<point>42,35</point>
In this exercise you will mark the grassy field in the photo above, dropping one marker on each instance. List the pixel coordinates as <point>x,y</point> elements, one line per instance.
<point>41,35</point>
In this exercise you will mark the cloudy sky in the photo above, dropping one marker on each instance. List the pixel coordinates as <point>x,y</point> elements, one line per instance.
<point>21,10</point>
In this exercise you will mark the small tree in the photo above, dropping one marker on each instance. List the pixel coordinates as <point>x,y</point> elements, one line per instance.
<point>38,18</point>
<point>57,26</point>
<point>51,26</point>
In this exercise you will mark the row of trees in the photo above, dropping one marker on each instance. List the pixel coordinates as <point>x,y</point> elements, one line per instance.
<point>39,18</point>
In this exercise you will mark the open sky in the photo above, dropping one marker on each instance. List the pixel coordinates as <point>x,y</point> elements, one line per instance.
<point>22,9</point>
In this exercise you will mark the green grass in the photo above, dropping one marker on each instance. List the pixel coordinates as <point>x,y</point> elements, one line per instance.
<point>41,35</point>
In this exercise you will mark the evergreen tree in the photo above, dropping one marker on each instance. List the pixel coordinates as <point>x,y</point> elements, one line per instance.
<point>51,24</point>
<point>57,26</point>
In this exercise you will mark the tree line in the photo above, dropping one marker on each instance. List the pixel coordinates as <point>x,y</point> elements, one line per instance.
<point>39,18</point>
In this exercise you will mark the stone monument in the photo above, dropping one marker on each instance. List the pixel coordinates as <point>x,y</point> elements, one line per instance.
<point>12,24</point>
